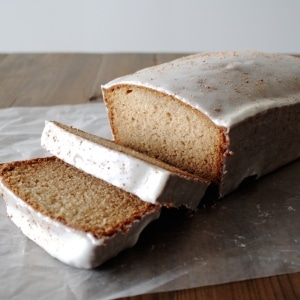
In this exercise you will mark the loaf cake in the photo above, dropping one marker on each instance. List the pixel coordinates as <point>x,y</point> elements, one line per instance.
<point>223,116</point>
<point>77,218</point>
<point>151,180</point>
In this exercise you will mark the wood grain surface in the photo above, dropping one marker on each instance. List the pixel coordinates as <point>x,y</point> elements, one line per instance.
<point>53,79</point>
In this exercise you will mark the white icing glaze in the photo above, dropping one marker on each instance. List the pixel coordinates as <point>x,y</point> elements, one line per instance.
<point>227,87</point>
<point>149,182</point>
<point>73,247</point>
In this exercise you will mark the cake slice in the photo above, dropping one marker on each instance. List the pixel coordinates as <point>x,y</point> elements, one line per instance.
<point>223,116</point>
<point>148,178</point>
<point>75,217</point>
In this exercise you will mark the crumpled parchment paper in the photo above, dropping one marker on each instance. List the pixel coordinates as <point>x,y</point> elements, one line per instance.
<point>254,232</point>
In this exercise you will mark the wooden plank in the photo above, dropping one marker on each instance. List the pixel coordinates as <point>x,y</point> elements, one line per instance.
<point>47,79</point>
<point>275,287</point>
<point>2,57</point>
<point>52,79</point>
<point>165,57</point>
<point>116,65</point>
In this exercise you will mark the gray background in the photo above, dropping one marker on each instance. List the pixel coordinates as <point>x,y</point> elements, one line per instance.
<point>149,26</point>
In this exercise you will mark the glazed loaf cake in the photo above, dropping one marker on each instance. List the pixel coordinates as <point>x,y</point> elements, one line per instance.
<point>75,217</point>
<point>151,180</point>
<point>223,116</point>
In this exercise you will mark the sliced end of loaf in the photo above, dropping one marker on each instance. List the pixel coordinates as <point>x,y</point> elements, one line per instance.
<point>165,128</point>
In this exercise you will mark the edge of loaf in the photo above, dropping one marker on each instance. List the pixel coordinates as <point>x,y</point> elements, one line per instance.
<point>241,109</point>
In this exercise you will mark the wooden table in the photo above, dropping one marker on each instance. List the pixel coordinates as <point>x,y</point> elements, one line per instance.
<point>52,79</point>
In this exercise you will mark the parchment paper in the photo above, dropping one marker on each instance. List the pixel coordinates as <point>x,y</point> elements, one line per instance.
<point>254,232</point>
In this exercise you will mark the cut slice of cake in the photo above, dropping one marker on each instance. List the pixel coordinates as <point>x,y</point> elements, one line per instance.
<point>75,217</point>
<point>223,116</point>
<point>148,178</point>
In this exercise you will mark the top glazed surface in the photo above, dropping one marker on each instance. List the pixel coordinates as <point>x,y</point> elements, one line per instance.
<point>226,86</point>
